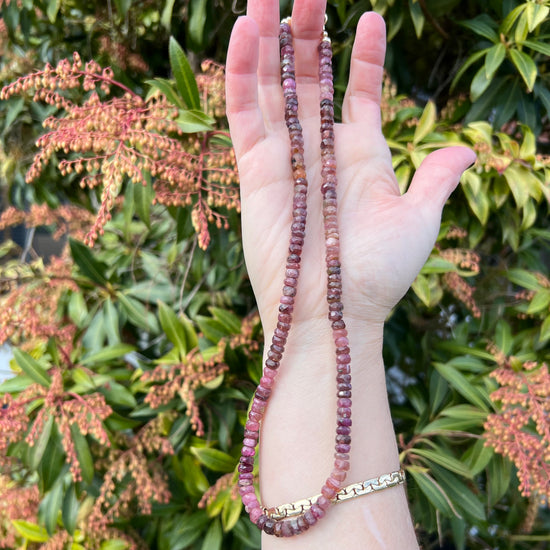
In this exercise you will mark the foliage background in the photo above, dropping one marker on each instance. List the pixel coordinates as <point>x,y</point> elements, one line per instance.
<point>134,360</point>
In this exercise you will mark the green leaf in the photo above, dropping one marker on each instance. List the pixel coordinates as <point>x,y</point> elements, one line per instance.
<point>166,16</point>
<point>193,121</point>
<point>111,322</point>
<point>173,328</point>
<point>227,319</point>
<point>53,462</point>
<point>503,337</point>
<point>539,302</point>
<point>494,58</point>
<point>463,386</point>
<point>123,6</point>
<point>432,490</point>
<point>212,329</point>
<point>426,124</point>
<point>53,9</point>
<point>417,17</point>
<point>117,394</point>
<point>165,87</point>
<point>114,544</point>
<point>83,454</point>
<point>197,21</point>
<point>462,498</point>
<point>16,384</point>
<point>499,473</point>
<point>69,509</point>
<point>87,264</point>
<point>517,178</point>
<point>482,26</point>
<point>467,64</point>
<point>511,18</point>
<point>37,450</point>
<point>137,313</point>
<point>14,109</point>
<point>525,66</point>
<point>507,104</point>
<point>30,531</point>
<point>107,354</point>
<point>522,29</point>
<point>51,505</point>
<point>143,200</point>
<point>478,202</point>
<point>536,14</point>
<point>447,461</point>
<point>524,278</point>
<point>214,537</point>
<point>428,289</point>
<point>32,368</point>
<point>479,83</point>
<point>185,79</point>
<point>545,330</point>
<point>541,47</point>
<point>190,333</point>
<point>478,456</point>
<point>445,425</point>
<point>231,513</point>
<point>214,459</point>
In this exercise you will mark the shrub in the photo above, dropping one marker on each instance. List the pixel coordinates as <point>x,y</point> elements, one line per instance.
<point>135,359</point>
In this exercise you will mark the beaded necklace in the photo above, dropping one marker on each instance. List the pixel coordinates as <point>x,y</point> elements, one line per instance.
<point>272,521</point>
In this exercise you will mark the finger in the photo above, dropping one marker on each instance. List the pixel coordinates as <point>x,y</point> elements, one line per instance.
<point>241,81</point>
<point>307,27</point>
<point>362,99</point>
<point>266,15</point>
<point>437,177</point>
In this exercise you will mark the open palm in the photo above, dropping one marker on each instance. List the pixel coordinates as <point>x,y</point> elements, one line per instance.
<point>385,237</point>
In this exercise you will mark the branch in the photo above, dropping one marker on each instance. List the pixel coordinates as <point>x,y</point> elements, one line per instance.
<point>433,20</point>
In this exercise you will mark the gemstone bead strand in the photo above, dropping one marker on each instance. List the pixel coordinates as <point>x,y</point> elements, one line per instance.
<point>295,525</point>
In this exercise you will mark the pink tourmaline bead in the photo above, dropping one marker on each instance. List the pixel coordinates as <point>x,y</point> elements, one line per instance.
<point>249,442</point>
<point>341,342</point>
<point>246,489</point>
<point>323,502</point>
<point>256,417</point>
<point>317,511</point>
<point>328,492</point>
<point>248,451</point>
<point>338,475</point>
<point>310,518</point>
<point>344,402</point>
<point>252,426</point>
<point>258,406</point>
<point>249,498</point>
<point>255,514</point>
<point>341,464</point>
<point>266,382</point>
<point>270,373</point>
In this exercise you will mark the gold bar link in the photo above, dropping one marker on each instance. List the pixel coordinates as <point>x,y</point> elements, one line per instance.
<point>297,508</point>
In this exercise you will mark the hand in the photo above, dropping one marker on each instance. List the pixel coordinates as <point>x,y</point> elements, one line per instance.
<point>385,237</point>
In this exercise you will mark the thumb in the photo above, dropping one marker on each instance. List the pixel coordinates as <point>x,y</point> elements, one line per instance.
<point>437,177</point>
